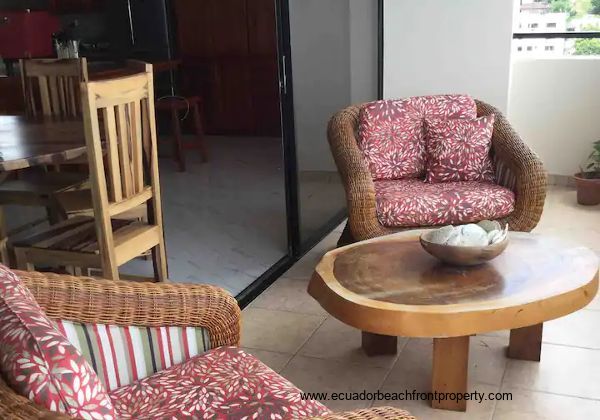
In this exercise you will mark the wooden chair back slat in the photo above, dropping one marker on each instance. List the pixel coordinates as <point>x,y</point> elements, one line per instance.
<point>129,175</point>
<point>124,150</point>
<point>125,108</point>
<point>115,192</point>
<point>51,86</point>
<point>137,146</point>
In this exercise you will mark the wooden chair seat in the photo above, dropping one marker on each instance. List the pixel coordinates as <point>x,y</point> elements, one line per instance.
<point>34,188</point>
<point>78,236</point>
<point>79,202</point>
<point>82,160</point>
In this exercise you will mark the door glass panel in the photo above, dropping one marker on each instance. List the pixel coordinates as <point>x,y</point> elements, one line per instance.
<point>334,62</point>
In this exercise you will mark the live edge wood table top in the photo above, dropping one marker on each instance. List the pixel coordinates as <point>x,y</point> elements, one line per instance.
<point>28,142</point>
<point>389,287</point>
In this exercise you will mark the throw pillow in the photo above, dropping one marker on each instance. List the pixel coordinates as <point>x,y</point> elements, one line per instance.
<point>459,149</point>
<point>39,363</point>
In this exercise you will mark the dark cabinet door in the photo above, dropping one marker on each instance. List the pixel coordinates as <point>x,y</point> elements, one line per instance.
<point>229,54</point>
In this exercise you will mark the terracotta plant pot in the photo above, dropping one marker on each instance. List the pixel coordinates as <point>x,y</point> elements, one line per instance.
<point>588,188</point>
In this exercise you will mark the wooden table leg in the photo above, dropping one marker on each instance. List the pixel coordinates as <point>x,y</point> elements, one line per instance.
<point>378,345</point>
<point>526,343</point>
<point>450,368</point>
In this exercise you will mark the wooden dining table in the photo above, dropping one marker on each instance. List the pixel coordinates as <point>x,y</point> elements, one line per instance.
<point>27,142</point>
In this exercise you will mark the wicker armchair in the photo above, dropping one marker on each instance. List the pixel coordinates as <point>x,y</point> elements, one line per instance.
<point>88,300</point>
<point>517,168</point>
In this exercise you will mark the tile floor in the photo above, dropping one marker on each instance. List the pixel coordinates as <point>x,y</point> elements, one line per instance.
<point>290,332</point>
<point>225,220</point>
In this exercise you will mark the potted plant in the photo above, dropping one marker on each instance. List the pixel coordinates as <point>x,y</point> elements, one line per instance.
<point>588,180</point>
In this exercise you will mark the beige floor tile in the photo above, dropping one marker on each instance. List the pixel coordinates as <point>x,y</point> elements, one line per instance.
<point>413,371</point>
<point>319,375</point>
<point>276,361</point>
<point>305,267</point>
<point>288,294</point>
<point>422,409</point>
<point>336,340</point>
<point>503,333</point>
<point>578,329</point>
<point>563,370</point>
<point>278,331</point>
<point>327,244</point>
<point>487,360</point>
<point>530,405</point>
<point>594,304</point>
<point>341,226</point>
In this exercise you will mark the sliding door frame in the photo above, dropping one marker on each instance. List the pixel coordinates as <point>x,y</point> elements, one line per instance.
<point>297,247</point>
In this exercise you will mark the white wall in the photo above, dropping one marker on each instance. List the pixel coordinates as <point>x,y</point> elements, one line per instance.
<point>555,106</point>
<point>448,46</point>
<point>363,50</point>
<point>333,43</point>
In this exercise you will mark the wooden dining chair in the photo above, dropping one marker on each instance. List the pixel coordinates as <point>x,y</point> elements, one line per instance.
<point>128,179</point>
<point>51,86</point>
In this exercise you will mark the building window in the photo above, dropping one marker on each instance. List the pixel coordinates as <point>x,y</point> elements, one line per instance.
<point>572,27</point>
<point>519,48</point>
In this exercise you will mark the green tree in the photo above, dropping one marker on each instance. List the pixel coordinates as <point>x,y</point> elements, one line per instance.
<point>590,46</point>
<point>563,6</point>
<point>595,9</point>
<point>587,47</point>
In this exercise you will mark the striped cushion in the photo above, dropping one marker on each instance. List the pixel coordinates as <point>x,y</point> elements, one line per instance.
<point>122,355</point>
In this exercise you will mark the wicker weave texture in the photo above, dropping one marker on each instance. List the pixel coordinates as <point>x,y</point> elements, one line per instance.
<point>522,169</point>
<point>377,413</point>
<point>13,406</point>
<point>97,301</point>
<point>89,300</point>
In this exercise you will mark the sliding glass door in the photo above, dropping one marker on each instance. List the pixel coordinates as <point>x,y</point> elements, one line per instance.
<point>334,64</point>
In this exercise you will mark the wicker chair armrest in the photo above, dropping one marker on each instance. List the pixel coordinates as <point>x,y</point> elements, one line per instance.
<point>99,301</point>
<point>355,174</point>
<point>14,406</point>
<point>376,413</point>
<point>517,168</point>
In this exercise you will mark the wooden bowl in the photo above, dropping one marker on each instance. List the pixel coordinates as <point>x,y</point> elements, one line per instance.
<point>463,255</point>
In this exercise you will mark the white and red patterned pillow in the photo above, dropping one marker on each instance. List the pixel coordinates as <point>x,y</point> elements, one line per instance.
<point>391,134</point>
<point>459,149</point>
<point>38,362</point>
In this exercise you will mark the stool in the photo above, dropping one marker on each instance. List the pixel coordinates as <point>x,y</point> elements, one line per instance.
<point>190,105</point>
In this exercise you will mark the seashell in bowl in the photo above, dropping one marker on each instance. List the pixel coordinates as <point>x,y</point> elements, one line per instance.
<point>466,245</point>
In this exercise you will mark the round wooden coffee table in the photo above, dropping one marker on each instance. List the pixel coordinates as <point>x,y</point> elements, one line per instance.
<point>389,287</point>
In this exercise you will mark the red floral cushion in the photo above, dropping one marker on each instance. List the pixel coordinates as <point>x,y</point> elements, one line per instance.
<point>459,149</point>
<point>225,383</point>
<point>413,202</point>
<point>38,362</point>
<point>391,132</point>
